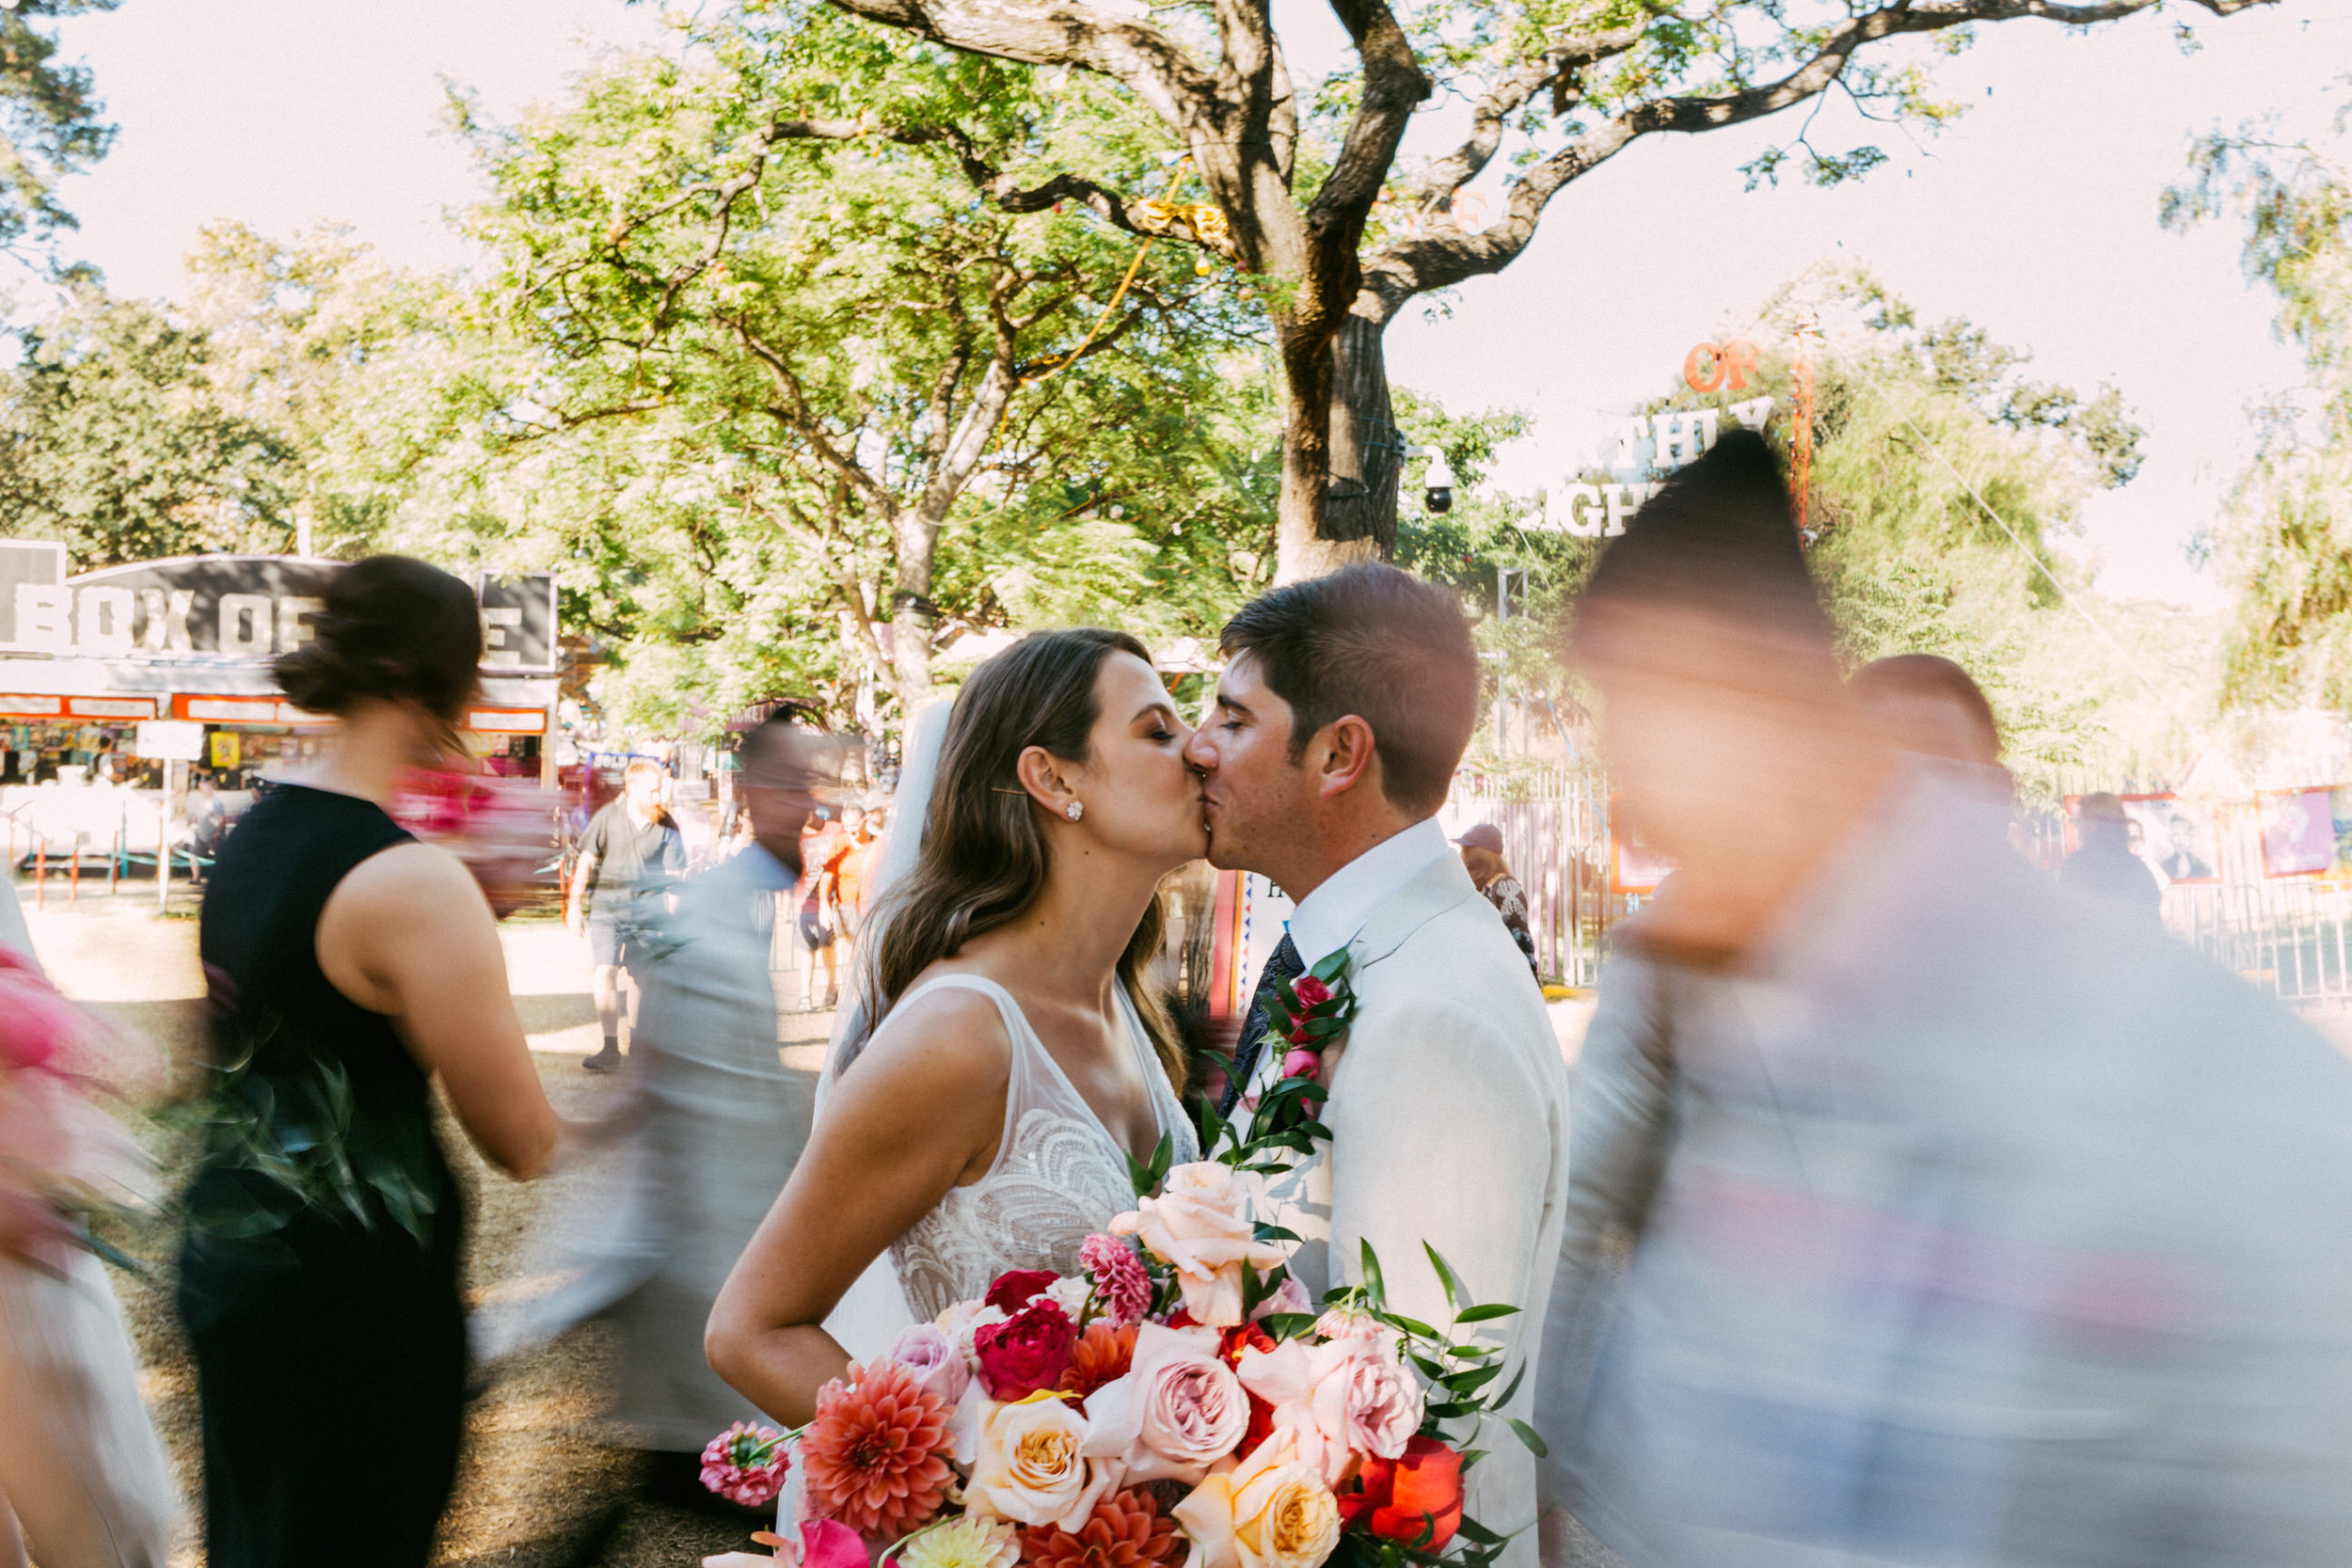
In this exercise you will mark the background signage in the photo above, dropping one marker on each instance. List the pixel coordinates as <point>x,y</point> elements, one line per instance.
<point>246,607</point>
<point>518,621</point>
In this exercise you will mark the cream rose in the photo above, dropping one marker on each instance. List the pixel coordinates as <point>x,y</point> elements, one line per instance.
<point>1268,1511</point>
<point>1199,1226</point>
<point>1030,1466</point>
<point>1177,1410</point>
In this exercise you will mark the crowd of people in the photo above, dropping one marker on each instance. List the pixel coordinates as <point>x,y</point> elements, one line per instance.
<point>1905,1207</point>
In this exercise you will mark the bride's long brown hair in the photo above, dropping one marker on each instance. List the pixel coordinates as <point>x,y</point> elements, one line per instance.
<point>984,858</point>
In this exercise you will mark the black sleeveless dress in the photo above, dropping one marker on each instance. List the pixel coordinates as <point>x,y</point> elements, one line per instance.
<point>318,1271</point>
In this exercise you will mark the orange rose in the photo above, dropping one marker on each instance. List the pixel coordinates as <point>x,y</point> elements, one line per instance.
<point>1406,1495</point>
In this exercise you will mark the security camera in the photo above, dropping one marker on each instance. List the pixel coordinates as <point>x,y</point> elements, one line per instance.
<point>1437,483</point>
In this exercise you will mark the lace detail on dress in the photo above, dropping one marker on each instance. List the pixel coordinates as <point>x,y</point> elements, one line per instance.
<point>1059,1176</point>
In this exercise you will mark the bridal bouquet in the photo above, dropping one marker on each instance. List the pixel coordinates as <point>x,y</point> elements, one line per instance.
<point>63,1161</point>
<point>1179,1405</point>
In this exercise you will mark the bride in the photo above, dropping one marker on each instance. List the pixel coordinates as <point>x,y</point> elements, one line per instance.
<point>1019,1056</point>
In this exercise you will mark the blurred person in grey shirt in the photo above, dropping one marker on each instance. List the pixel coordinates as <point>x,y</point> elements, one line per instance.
<point>715,1125</point>
<point>1970,1223</point>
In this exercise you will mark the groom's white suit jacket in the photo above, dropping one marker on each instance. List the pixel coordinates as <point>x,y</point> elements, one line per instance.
<point>1449,1125</point>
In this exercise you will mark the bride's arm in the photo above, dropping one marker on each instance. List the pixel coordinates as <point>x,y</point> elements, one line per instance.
<point>921,1111</point>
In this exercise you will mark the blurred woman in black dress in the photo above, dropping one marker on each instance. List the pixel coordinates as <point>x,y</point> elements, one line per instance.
<point>348,963</point>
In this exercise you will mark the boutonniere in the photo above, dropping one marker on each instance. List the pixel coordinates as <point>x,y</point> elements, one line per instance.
<point>1314,1012</point>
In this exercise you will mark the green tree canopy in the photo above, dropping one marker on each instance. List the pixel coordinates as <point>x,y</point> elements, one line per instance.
<point>2286,540</point>
<point>1911,423</point>
<point>115,442</point>
<point>792,396</point>
<point>1311,192</point>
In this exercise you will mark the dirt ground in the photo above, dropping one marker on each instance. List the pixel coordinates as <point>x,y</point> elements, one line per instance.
<point>542,1484</point>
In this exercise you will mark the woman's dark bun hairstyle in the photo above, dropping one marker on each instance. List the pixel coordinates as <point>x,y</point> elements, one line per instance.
<point>393,627</point>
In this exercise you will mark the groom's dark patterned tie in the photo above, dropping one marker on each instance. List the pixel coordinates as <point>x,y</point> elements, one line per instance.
<point>1281,965</point>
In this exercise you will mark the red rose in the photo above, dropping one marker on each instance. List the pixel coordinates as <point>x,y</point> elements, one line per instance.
<point>1398,1498</point>
<point>1230,1344</point>
<point>1027,1351</point>
<point>1311,992</point>
<point>1014,1287</point>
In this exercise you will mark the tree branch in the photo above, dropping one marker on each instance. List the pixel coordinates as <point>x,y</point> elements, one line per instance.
<point>1435,261</point>
<point>1147,61</point>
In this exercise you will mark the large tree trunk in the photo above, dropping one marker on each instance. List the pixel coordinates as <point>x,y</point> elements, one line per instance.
<point>1341,455</point>
<point>913,616</point>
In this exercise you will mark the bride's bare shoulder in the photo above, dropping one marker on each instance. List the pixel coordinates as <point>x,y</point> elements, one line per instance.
<point>952,1037</point>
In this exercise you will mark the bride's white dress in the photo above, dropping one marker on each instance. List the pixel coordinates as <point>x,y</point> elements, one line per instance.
<point>1059,1174</point>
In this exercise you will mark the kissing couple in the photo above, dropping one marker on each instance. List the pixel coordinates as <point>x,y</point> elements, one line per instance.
<point>1010,1055</point>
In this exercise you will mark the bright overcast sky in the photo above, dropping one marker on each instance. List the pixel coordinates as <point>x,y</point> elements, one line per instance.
<point>2035,216</point>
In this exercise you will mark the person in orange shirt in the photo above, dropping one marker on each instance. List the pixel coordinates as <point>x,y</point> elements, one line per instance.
<point>823,843</point>
<point>857,861</point>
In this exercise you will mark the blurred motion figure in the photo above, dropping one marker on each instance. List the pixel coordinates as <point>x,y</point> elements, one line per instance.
<point>716,1124</point>
<point>2103,865</point>
<point>346,964</point>
<point>1987,1227</point>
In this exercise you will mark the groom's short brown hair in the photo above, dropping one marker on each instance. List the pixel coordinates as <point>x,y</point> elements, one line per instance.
<point>1383,645</point>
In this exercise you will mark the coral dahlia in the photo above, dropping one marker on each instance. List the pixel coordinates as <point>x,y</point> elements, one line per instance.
<point>876,1456</point>
<point>1101,1355</point>
<point>1125,1530</point>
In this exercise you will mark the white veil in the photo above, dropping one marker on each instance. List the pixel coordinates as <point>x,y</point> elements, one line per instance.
<point>871,1316</point>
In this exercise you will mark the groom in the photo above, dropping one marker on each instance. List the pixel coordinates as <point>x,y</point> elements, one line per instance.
<point>1344,710</point>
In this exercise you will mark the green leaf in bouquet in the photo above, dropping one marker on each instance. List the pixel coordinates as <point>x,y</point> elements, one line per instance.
<point>1287,1325</point>
<point>1432,1370</point>
<point>1413,1326</point>
<point>1454,1294</point>
<point>1312,1131</point>
<point>1470,1458</point>
<point>1147,1175</point>
<point>1510,1388</point>
<point>1265,1232</point>
<point>1375,1285</point>
<point>1471,1379</point>
<point>1535,1444</point>
<point>1329,968</point>
<point>1477,1532</point>
<point>1450,1410</point>
<point>1324,1028</point>
<point>1483,1314</point>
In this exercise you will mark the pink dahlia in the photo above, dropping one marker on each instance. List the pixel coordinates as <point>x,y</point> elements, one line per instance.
<point>876,1456</point>
<point>1121,1283</point>
<point>745,1465</point>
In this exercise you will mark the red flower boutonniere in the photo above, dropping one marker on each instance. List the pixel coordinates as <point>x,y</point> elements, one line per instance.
<point>1314,1012</point>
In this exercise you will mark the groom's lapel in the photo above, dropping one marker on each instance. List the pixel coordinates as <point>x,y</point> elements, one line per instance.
<point>1438,888</point>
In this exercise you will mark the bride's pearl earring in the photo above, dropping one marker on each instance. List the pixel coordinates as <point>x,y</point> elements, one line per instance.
<point>1074,811</point>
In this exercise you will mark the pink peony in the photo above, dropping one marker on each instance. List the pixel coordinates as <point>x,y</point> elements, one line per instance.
<point>927,1351</point>
<point>1340,1399</point>
<point>1179,1410</point>
<point>1121,1284</point>
<point>1027,1351</point>
<point>746,1463</point>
